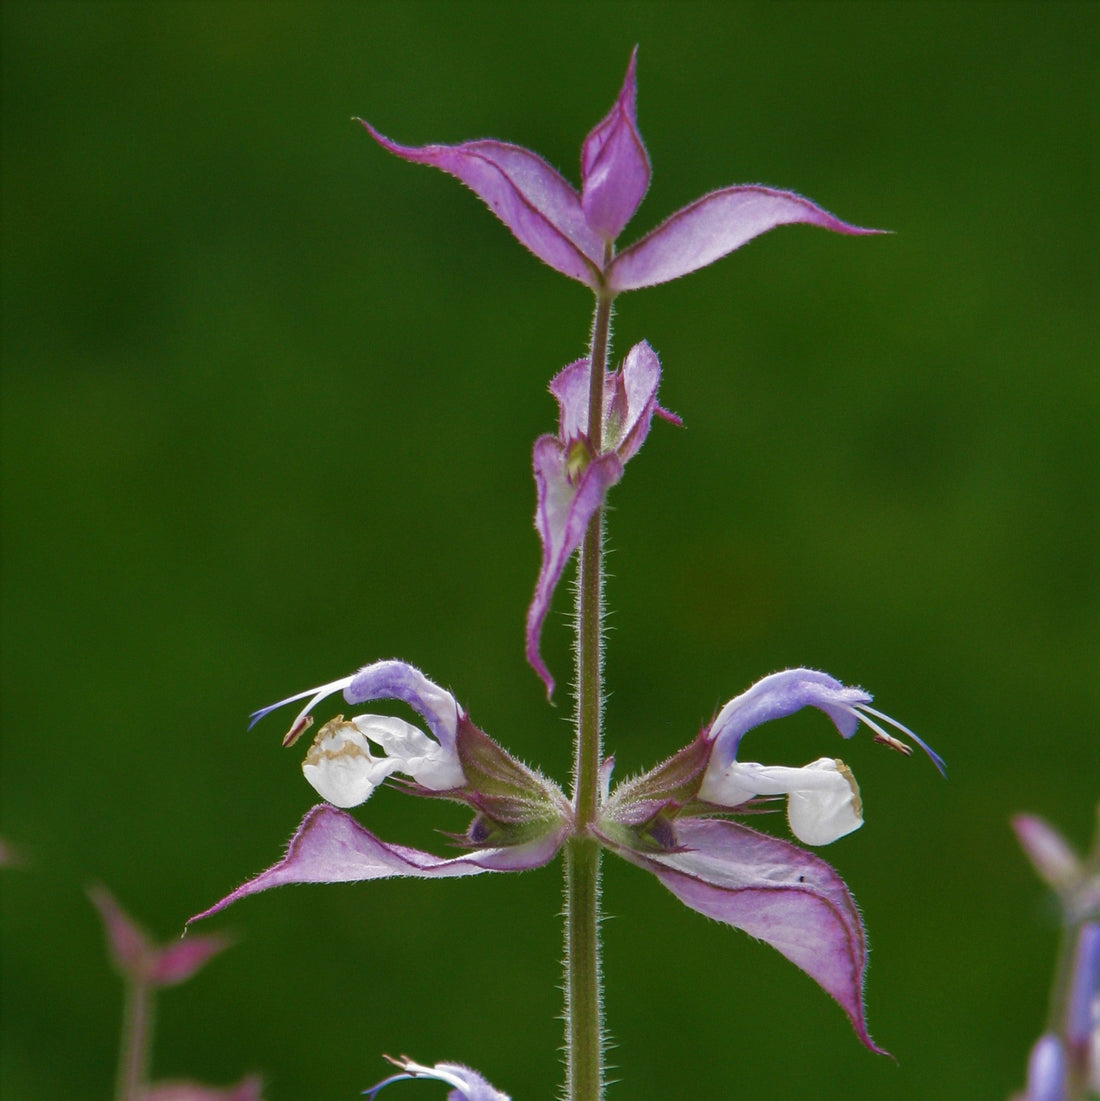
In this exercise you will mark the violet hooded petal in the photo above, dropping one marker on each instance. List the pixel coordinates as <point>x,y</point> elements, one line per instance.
<point>615,167</point>
<point>531,198</point>
<point>332,847</point>
<point>382,680</point>
<point>711,227</point>
<point>782,694</point>
<point>467,1084</point>
<point>774,891</point>
<point>397,680</point>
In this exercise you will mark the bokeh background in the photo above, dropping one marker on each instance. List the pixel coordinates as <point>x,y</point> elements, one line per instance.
<point>269,397</point>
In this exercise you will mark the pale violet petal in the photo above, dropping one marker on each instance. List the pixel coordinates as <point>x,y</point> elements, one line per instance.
<point>777,696</point>
<point>398,680</point>
<point>1083,1010</point>
<point>1046,1070</point>
<point>711,227</point>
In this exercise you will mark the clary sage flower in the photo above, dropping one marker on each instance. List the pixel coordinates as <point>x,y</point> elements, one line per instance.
<point>676,821</point>
<point>575,232</point>
<point>673,821</point>
<point>571,481</point>
<point>466,1084</point>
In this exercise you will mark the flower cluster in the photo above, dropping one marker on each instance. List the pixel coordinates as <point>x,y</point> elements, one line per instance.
<point>673,821</point>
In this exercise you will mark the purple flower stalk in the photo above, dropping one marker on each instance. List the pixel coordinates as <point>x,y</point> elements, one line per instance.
<point>676,821</point>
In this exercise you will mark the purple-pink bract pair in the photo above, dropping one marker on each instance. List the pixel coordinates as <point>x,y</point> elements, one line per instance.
<point>574,232</point>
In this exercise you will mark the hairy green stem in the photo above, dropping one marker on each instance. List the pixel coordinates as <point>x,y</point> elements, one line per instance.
<point>583,992</point>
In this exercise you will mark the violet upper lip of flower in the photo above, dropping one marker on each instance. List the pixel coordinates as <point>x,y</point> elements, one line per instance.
<point>671,821</point>
<point>574,232</point>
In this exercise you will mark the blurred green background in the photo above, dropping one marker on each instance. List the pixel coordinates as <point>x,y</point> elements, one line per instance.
<point>269,396</point>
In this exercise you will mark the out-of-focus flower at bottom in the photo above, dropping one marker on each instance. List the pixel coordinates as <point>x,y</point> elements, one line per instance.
<point>248,1089</point>
<point>466,1084</point>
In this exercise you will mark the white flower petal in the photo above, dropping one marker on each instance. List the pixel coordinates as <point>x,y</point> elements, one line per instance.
<point>826,806</point>
<point>340,767</point>
<point>823,802</point>
<point>413,752</point>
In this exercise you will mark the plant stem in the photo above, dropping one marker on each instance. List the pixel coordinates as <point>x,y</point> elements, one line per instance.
<point>586,770</point>
<point>583,996</point>
<point>137,1030</point>
<point>583,993</point>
